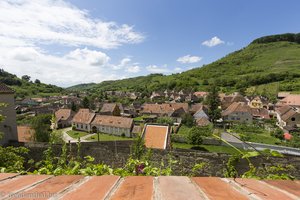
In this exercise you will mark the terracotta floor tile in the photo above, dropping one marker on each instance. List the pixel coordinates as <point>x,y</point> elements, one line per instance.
<point>177,187</point>
<point>96,187</point>
<point>49,187</point>
<point>135,187</point>
<point>7,175</point>
<point>15,184</point>
<point>216,189</point>
<point>289,186</point>
<point>261,190</point>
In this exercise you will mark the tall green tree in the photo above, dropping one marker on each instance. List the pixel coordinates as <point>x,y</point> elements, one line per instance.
<point>85,102</point>
<point>213,101</point>
<point>41,125</point>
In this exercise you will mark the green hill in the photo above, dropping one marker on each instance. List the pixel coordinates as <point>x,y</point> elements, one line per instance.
<point>26,88</point>
<point>267,65</point>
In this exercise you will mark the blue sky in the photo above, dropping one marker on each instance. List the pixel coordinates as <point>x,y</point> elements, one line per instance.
<point>75,41</point>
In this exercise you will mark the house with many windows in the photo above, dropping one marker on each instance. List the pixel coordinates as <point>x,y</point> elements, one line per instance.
<point>120,126</point>
<point>82,120</point>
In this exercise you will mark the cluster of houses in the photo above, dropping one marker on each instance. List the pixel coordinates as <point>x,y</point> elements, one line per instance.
<point>117,119</point>
<point>181,96</point>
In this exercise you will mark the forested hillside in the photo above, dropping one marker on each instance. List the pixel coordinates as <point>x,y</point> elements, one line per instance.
<point>268,64</point>
<point>25,87</point>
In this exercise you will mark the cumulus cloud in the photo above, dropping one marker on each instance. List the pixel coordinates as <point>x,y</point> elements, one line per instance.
<point>55,21</point>
<point>29,27</point>
<point>189,59</point>
<point>213,42</point>
<point>77,66</point>
<point>157,69</point>
<point>133,69</point>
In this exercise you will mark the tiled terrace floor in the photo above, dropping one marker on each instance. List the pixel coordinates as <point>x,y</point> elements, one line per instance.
<point>14,186</point>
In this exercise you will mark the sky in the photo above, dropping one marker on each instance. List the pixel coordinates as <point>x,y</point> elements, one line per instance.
<point>68,42</point>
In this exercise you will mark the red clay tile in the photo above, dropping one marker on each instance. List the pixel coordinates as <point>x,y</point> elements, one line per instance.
<point>96,187</point>
<point>7,175</point>
<point>11,186</point>
<point>49,187</point>
<point>289,186</point>
<point>216,189</point>
<point>177,187</point>
<point>135,187</point>
<point>260,189</point>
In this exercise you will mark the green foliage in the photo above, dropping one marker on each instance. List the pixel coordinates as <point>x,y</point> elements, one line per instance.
<point>288,37</point>
<point>213,101</point>
<point>199,168</point>
<point>41,125</point>
<point>165,120</point>
<point>278,133</point>
<point>12,159</point>
<point>85,102</point>
<point>188,120</point>
<point>138,148</point>
<point>195,135</point>
<point>25,88</point>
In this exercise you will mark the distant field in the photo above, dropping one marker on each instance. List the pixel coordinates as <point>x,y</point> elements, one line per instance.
<point>107,137</point>
<point>76,134</point>
<point>208,148</point>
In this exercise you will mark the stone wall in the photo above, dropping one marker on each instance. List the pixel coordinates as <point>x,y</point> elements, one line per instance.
<point>116,154</point>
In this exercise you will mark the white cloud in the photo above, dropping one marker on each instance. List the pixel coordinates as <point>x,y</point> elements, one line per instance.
<point>95,58</point>
<point>178,69</point>
<point>133,69</point>
<point>78,66</point>
<point>57,22</point>
<point>189,59</point>
<point>213,42</point>
<point>157,69</point>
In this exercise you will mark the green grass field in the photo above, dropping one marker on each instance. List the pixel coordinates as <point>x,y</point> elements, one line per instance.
<point>208,148</point>
<point>107,137</point>
<point>76,134</point>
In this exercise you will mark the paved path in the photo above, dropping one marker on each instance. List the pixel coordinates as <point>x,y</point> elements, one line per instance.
<point>68,138</point>
<point>229,137</point>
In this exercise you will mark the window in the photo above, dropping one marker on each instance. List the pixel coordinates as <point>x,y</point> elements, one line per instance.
<point>293,119</point>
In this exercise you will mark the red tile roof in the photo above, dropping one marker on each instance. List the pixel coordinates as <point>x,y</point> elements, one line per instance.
<point>25,134</point>
<point>113,121</point>
<point>292,100</point>
<point>63,114</point>
<point>237,107</point>
<point>83,116</point>
<point>165,108</point>
<point>156,136</point>
<point>108,107</point>
<point>77,187</point>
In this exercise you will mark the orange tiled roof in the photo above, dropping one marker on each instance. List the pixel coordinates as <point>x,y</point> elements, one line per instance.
<point>113,121</point>
<point>83,116</point>
<point>25,133</point>
<point>237,107</point>
<point>292,100</point>
<point>108,107</point>
<point>156,136</point>
<point>63,114</point>
<point>164,108</point>
<point>76,187</point>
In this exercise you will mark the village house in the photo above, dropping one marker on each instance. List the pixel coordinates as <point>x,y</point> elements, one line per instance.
<point>201,113</point>
<point>156,136</point>
<point>288,117</point>
<point>229,99</point>
<point>258,102</point>
<point>120,126</point>
<point>238,112</point>
<point>64,117</point>
<point>69,100</point>
<point>201,94</point>
<point>110,109</point>
<point>202,121</point>
<point>165,109</point>
<point>291,100</point>
<point>82,120</point>
<point>9,125</point>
